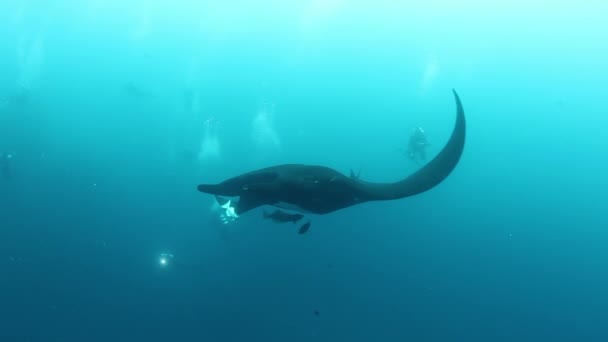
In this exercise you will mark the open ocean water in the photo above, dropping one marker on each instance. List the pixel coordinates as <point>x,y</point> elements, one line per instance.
<point>112,112</point>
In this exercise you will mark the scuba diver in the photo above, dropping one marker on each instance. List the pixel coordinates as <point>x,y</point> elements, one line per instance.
<point>416,148</point>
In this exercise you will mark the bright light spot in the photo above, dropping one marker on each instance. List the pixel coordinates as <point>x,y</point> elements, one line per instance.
<point>165,259</point>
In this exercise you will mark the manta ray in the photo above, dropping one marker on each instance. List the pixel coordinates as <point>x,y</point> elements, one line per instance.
<point>319,189</point>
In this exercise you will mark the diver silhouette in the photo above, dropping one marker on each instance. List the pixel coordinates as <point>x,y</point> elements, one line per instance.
<point>416,148</point>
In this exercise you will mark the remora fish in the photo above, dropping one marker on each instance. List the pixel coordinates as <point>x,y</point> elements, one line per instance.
<point>281,216</point>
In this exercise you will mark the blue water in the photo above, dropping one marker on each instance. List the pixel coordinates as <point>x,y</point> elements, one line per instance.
<point>113,112</point>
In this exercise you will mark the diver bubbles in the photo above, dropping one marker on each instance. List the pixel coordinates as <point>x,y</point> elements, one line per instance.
<point>191,94</point>
<point>265,137</point>
<point>209,148</point>
<point>142,27</point>
<point>432,70</point>
<point>30,56</point>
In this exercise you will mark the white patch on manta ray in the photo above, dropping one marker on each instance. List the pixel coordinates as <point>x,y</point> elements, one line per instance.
<point>230,214</point>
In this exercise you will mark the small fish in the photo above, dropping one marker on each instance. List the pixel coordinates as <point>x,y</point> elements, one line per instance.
<point>304,228</point>
<point>280,216</point>
<point>317,313</point>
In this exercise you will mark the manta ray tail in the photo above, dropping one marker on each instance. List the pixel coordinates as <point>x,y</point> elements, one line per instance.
<point>432,173</point>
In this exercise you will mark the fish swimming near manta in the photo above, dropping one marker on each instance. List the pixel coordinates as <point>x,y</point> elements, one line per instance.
<point>321,190</point>
<point>304,228</point>
<point>281,216</point>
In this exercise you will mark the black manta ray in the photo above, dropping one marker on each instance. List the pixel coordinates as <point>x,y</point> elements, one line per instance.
<point>321,190</point>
